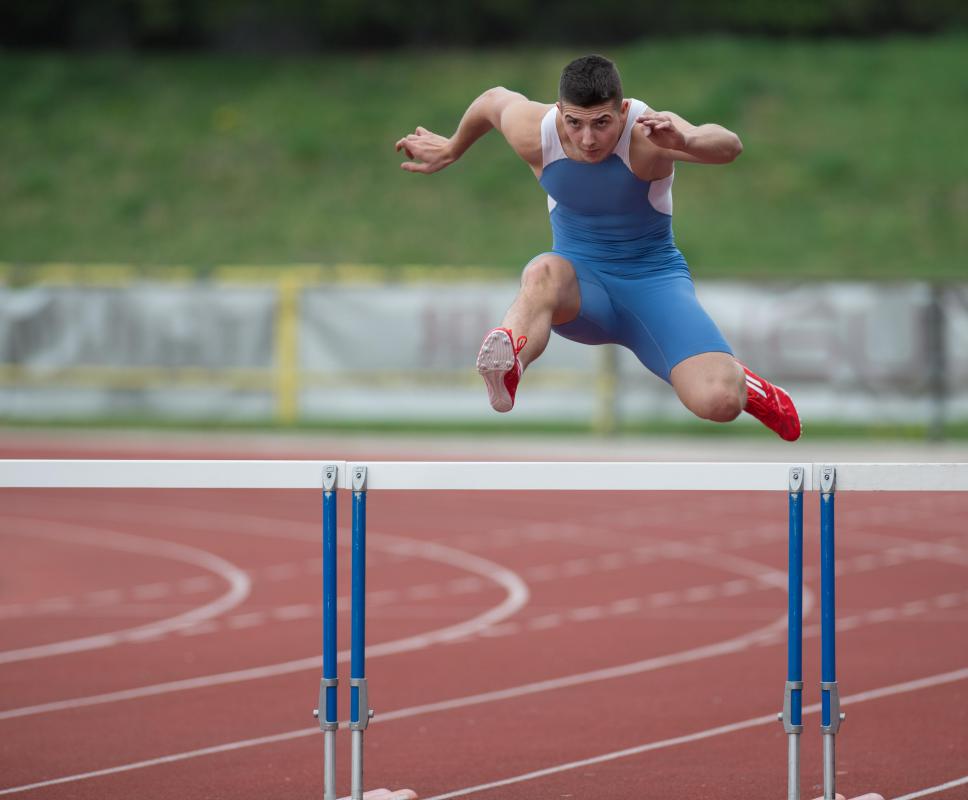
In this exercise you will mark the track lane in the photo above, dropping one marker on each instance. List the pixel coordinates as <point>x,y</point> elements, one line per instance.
<point>570,581</point>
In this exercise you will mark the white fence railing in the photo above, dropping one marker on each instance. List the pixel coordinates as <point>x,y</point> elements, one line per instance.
<point>293,347</point>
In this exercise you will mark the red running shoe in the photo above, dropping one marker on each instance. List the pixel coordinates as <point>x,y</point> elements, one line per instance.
<point>772,406</point>
<point>498,364</point>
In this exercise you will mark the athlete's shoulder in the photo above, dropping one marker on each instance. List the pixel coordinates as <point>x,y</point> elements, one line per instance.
<point>520,122</point>
<point>649,161</point>
<point>521,114</point>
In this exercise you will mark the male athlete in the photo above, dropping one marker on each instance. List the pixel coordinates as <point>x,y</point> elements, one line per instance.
<point>614,274</point>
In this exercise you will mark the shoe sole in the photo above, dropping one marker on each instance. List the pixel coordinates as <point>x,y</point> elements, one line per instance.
<point>494,360</point>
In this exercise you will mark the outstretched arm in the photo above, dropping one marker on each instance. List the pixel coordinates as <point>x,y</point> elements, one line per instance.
<point>704,144</point>
<point>496,108</point>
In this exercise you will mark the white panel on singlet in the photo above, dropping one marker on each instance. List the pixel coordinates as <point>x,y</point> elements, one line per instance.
<point>551,149</point>
<point>636,107</point>
<point>660,194</point>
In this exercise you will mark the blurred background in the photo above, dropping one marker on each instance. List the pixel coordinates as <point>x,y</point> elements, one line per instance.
<point>203,221</point>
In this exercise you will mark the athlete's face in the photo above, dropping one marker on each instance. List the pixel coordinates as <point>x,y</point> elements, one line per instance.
<point>594,131</point>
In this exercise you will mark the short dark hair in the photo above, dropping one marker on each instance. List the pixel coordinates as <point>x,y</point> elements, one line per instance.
<point>590,81</point>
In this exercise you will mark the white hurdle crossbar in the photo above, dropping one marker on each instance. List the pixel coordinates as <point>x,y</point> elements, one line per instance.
<point>483,476</point>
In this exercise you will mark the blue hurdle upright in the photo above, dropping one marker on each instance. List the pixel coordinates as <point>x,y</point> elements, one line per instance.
<point>830,714</point>
<point>360,711</point>
<point>326,711</point>
<point>792,714</point>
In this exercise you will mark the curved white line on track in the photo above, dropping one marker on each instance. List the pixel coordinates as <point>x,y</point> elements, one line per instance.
<point>941,787</point>
<point>767,719</point>
<point>238,580</point>
<point>516,597</point>
<point>404,546</point>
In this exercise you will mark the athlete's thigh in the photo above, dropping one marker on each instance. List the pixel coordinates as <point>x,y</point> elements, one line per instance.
<point>663,322</point>
<point>595,320</point>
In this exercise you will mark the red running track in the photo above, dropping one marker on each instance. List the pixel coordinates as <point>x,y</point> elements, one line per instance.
<point>166,644</point>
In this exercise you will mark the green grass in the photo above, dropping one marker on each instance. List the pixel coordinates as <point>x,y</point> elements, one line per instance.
<point>854,165</point>
<point>954,431</point>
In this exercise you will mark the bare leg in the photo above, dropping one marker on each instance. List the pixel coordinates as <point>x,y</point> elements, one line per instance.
<point>711,385</point>
<point>549,296</point>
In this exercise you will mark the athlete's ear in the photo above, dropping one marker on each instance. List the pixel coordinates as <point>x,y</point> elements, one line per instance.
<point>625,107</point>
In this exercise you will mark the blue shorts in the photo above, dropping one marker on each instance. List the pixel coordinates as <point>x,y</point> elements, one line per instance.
<point>653,311</point>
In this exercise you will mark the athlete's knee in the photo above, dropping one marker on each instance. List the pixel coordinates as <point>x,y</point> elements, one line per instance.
<point>719,399</point>
<point>548,275</point>
<point>719,404</point>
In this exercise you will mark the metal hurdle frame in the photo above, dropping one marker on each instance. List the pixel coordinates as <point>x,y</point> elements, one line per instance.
<point>831,716</point>
<point>830,713</point>
<point>537,476</point>
<point>791,716</point>
<point>326,710</point>
<point>360,711</point>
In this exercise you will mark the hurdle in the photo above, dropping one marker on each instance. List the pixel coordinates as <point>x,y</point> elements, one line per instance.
<point>685,476</point>
<point>332,476</point>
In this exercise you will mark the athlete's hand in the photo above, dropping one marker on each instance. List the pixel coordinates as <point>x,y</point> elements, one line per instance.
<point>662,130</point>
<point>428,152</point>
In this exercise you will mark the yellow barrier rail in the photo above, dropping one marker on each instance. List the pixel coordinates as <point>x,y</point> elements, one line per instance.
<point>285,379</point>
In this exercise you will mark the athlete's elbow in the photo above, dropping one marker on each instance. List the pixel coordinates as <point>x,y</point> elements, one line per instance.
<point>733,149</point>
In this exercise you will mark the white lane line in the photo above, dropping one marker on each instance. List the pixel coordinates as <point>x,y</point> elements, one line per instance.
<point>151,591</point>
<point>55,604</point>
<point>516,597</point>
<point>249,620</point>
<point>426,591</point>
<point>466,585</point>
<point>281,572</point>
<point>628,606</point>
<point>736,587</point>
<point>586,614</point>
<point>941,787</point>
<point>545,622</point>
<point>201,583</point>
<point>238,580</point>
<point>506,629</point>
<point>574,568</point>
<point>661,599</point>
<point>298,611</point>
<point>448,705</point>
<point>873,694</point>
<point>199,628</point>
<point>698,594</point>
<point>105,597</point>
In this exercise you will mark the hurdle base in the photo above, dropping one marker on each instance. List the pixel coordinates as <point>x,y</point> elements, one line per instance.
<point>387,794</point>
<point>868,796</point>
